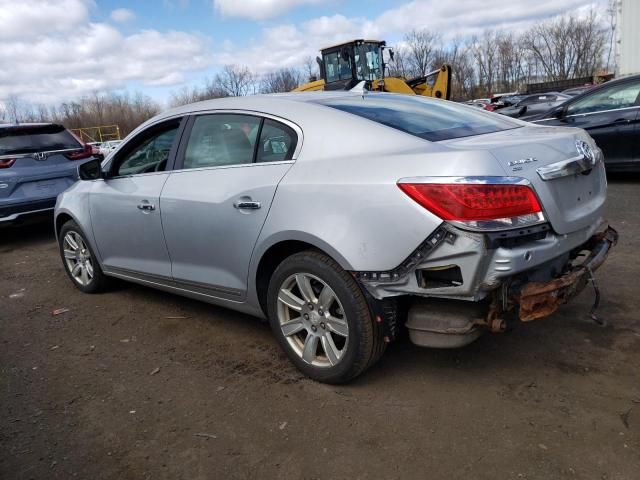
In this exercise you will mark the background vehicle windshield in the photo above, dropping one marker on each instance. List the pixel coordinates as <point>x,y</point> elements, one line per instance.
<point>30,139</point>
<point>432,120</point>
<point>368,62</point>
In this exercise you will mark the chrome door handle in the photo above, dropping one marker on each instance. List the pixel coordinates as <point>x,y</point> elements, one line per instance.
<point>247,205</point>
<point>146,207</point>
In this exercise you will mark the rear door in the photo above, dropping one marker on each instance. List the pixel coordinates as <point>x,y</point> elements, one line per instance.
<point>216,202</point>
<point>609,114</point>
<point>125,208</point>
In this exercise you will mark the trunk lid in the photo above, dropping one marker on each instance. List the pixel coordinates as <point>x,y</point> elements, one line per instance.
<point>570,202</point>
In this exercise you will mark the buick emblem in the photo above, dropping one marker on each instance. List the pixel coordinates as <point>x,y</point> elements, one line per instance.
<point>586,151</point>
<point>517,164</point>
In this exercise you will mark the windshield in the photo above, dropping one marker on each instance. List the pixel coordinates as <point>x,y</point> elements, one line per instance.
<point>368,61</point>
<point>41,138</point>
<point>432,120</point>
<point>338,66</point>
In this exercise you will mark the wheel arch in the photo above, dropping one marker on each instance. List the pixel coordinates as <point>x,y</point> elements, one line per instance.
<point>60,220</point>
<point>280,248</point>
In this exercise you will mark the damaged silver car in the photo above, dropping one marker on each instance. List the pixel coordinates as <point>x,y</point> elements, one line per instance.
<point>342,217</point>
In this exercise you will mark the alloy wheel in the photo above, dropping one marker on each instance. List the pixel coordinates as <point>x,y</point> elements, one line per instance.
<point>312,320</point>
<point>78,258</point>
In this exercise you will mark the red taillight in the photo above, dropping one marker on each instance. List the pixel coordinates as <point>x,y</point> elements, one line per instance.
<point>86,152</point>
<point>7,162</point>
<point>468,202</point>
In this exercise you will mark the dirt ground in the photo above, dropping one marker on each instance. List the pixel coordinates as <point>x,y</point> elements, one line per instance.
<point>139,384</point>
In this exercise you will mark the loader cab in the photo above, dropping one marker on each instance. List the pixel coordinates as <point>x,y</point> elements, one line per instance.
<point>343,66</point>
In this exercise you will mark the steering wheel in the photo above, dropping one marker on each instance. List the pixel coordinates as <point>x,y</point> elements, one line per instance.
<point>160,166</point>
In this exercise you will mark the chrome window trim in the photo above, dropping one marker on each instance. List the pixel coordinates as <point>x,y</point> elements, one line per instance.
<point>236,165</point>
<point>478,180</point>
<point>587,113</point>
<point>602,111</point>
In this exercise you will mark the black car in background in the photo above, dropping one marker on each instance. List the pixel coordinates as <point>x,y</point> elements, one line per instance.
<point>610,113</point>
<point>534,105</point>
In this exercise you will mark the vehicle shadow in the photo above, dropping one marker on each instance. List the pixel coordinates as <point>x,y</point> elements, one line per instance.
<point>623,177</point>
<point>35,231</point>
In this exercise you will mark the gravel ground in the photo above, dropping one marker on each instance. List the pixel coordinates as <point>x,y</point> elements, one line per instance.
<point>141,384</point>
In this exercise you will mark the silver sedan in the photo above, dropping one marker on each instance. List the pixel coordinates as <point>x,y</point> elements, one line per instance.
<point>344,217</point>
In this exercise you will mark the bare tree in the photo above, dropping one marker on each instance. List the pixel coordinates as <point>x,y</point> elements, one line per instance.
<point>283,80</point>
<point>421,46</point>
<point>12,106</point>
<point>567,47</point>
<point>398,67</point>
<point>484,50</point>
<point>235,80</point>
<point>310,66</point>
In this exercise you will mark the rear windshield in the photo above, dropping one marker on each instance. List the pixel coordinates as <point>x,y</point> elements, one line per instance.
<point>432,120</point>
<point>30,139</point>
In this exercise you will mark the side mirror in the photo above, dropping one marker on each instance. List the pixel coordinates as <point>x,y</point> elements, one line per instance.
<point>559,113</point>
<point>91,170</point>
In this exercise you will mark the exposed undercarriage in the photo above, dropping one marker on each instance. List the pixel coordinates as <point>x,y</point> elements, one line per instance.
<point>458,283</point>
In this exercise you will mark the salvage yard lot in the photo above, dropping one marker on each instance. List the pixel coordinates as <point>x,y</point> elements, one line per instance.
<point>137,383</point>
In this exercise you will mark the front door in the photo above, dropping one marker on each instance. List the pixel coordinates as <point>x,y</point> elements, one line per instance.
<point>129,232</point>
<point>216,202</point>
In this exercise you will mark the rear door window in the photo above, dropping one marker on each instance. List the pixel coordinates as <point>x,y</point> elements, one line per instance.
<point>277,142</point>
<point>431,119</point>
<point>31,139</point>
<point>218,140</point>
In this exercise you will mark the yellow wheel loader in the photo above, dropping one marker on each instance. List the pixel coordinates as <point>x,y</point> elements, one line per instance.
<point>344,66</point>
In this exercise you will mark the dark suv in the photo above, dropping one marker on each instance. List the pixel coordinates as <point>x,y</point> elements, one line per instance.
<point>37,162</point>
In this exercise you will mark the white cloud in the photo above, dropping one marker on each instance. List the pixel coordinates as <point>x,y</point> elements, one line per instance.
<point>65,55</point>
<point>259,9</point>
<point>287,45</point>
<point>36,17</point>
<point>122,15</point>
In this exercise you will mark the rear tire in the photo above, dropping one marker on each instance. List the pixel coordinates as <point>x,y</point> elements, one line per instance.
<point>79,260</point>
<point>321,319</point>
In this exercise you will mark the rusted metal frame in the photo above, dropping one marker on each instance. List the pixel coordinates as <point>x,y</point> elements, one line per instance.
<point>540,299</point>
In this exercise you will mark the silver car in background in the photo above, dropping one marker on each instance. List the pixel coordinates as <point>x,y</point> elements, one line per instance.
<point>343,216</point>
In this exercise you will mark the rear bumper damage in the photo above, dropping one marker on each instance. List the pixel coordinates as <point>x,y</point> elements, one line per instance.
<point>541,299</point>
<point>532,293</point>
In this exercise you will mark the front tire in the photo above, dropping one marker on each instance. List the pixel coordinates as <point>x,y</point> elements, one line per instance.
<point>79,261</point>
<point>321,319</point>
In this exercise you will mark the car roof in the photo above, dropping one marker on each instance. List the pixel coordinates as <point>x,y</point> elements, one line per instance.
<point>34,124</point>
<point>291,106</point>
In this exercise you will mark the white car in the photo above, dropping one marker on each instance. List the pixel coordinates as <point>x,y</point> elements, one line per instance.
<point>107,147</point>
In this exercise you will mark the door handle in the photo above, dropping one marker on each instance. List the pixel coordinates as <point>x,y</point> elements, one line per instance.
<point>146,207</point>
<point>247,205</point>
<point>619,121</point>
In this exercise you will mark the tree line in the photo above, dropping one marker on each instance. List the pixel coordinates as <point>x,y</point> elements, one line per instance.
<point>492,62</point>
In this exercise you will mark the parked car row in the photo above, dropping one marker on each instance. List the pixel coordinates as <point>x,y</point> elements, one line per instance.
<point>610,113</point>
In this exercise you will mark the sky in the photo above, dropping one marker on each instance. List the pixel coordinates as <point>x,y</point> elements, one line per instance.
<point>58,50</point>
